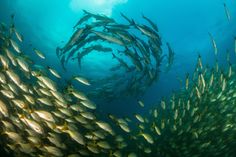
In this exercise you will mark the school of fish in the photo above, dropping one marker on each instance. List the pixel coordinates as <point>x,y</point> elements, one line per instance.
<point>40,118</point>
<point>135,48</point>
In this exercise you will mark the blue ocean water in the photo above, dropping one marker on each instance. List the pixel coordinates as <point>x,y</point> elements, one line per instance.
<point>184,24</point>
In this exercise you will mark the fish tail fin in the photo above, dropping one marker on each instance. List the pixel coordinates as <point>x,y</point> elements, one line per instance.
<point>58,51</point>
<point>85,11</point>
<point>63,65</point>
<point>140,133</point>
<point>143,16</point>
<point>64,128</point>
<point>88,26</point>
<point>132,22</point>
<point>122,14</point>
<point>68,85</point>
<point>106,29</point>
<point>113,56</point>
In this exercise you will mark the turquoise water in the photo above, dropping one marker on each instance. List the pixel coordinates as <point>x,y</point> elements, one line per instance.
<point>184,24</point>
